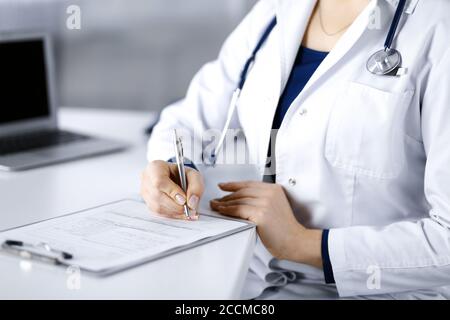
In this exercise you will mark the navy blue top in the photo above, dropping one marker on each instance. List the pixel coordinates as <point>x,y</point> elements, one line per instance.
<point>306,63</point>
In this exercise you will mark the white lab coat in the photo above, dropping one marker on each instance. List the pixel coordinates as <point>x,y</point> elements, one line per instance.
<point>370,154</point>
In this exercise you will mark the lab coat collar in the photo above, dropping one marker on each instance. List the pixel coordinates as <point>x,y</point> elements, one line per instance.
<point>292,21</point>
<point>410,5</point>
<point>293,18</point>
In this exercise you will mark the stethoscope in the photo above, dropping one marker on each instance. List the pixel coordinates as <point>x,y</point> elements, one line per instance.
<point>385,61</point>
<point>382,62</point>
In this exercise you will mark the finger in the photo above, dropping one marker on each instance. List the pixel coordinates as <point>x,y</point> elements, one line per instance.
<point>165,185</point>
<point>170,209</point>
<point>168,213</point>
<point>235,186</point>
<point>173,210</point>
<point>238,202</point>
<point>164,206</point>
<point>195,188</point>
<point>239,211</point>
<point>163,211</point>
<point>243,193</point>
<point>168,206</point>
<point>158,175</point>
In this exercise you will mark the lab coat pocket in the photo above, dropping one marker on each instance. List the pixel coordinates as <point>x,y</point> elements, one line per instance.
<point>365,131</point>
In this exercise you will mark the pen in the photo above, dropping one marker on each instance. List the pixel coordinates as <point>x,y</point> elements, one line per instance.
<point>16,246</point>
<point>179,156</point>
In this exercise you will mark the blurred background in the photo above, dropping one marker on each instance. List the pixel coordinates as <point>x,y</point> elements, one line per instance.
<point>128,54</point>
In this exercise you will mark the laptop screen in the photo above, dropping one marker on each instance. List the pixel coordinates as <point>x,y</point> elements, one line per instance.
<point>23,81</point>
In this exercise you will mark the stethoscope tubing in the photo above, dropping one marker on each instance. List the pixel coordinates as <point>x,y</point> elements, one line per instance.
<point>394,25</point>
<point>255,51</point>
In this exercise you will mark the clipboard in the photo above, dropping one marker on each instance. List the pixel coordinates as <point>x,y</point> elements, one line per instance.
<point>114,237</point>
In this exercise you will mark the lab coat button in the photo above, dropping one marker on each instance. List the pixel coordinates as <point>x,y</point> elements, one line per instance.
<point>292,182</point>
<point>303,112</point>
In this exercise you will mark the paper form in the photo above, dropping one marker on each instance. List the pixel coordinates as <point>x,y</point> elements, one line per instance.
<point>120,235</point>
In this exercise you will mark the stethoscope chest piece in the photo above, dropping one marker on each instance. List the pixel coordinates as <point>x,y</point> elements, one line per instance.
<point>384,61</point>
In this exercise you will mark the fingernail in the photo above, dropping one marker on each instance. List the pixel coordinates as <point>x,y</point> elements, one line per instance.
<point>180,199</point>
<point>194,215</point>
<point>193,202</point>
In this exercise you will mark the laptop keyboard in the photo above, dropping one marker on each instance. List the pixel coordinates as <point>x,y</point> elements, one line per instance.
<point>37,140</point>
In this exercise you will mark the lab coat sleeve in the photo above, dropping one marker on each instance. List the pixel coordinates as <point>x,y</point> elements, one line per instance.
<point>204,109</point>
<point>407,255</point>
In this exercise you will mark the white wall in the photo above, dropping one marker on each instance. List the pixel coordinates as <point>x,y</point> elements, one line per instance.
<point>129,53</point>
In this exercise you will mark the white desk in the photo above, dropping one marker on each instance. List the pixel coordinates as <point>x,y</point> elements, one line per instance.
<point>213,271</point>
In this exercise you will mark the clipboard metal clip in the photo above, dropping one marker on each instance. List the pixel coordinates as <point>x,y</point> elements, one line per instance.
<point>41,251</point>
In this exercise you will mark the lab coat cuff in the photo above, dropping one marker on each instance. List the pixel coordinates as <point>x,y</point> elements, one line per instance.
<point>327,266</point>
<point>187,162</point>
<point>338,259</point>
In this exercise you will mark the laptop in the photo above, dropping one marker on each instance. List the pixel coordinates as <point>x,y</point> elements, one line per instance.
<point>29,133</point>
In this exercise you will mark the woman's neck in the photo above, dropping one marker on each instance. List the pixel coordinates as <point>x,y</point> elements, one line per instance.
<point>329,21</point>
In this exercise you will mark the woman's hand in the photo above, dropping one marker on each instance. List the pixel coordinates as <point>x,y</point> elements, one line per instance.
<point>162,193</point>
<point>266,205</point>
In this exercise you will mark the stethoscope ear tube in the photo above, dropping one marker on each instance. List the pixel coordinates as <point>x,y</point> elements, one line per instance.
<point>394,24</point>
<point>237,92</point>
<point>231,108</point>
<point>248,63</point>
